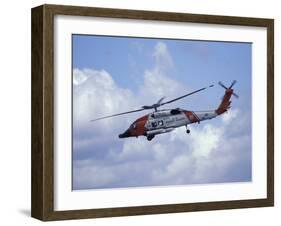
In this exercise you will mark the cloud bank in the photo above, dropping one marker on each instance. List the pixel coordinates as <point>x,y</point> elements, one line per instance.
<point>215,151</point>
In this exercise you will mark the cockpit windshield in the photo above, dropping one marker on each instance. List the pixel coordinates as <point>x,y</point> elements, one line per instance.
<point>133,126</point>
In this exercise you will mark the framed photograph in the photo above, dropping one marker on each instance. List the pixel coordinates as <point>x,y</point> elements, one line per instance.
<point>142,112</point>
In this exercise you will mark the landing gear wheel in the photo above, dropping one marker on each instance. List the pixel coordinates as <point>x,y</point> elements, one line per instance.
<point>150,137</point>
<point>187,130</point>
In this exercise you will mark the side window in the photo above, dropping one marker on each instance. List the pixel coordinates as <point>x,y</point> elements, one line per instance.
<point>175,111</point>
<point>157,124</point>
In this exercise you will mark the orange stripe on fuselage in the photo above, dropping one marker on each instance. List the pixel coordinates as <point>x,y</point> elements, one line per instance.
<point>191,116</point>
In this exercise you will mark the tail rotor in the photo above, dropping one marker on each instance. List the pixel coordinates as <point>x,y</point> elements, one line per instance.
<point>230,87</point>
<point>232,84</point>
<point>225,103</point>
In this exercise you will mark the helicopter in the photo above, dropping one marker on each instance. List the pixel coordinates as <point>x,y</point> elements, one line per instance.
<point>161,121</point>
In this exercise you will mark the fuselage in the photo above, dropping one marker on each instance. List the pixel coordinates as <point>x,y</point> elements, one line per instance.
<point>164,121</point>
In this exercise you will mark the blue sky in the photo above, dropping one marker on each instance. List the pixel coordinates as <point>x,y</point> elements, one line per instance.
<point>115,74</point>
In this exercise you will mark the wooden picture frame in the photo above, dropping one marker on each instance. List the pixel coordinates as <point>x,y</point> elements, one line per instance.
<point>42,203</point>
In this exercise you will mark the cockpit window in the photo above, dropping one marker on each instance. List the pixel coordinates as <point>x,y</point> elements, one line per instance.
<point>175,111</point>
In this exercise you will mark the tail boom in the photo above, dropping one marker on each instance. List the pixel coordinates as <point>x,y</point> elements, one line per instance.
<point>225,103</point>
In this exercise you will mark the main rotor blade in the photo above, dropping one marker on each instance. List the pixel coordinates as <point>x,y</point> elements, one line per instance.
<point>189,94</point>
<point>123,113</point>
<point>160,101</point>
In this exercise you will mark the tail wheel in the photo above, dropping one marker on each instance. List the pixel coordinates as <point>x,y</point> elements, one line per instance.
<point>187,130</point>
<point>150,137</point>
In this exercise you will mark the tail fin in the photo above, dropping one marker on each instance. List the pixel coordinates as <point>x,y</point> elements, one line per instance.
<point>225,103</point>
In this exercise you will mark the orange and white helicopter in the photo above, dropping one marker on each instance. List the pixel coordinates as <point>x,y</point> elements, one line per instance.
<point>166,120</point>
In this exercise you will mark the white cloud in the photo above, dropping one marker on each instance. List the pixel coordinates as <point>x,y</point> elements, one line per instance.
<point>205,140</point>
<point>230,115</point>
<point>156,82</point>
<point>156,85</point>
<point>96,95</point>
<point>102,160</point>
<point>78,77</point>
<point>162,56</point>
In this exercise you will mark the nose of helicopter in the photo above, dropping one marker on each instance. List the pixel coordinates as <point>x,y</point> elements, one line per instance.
<point>125,134</point>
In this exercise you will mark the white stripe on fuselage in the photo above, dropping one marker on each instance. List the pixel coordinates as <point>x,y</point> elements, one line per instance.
<point>174,121</point>
<point>204,115</point>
